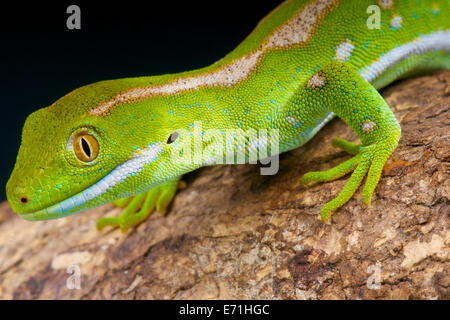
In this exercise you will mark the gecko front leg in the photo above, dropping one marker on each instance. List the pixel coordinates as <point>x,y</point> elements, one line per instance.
<point>340,89</point>
<point>138,208</point>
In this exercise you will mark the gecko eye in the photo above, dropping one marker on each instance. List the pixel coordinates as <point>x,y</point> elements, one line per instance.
<point>85,147</point>
<point>172,137</point>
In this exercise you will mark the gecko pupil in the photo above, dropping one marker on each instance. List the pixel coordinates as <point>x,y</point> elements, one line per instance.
<point>86,147</point>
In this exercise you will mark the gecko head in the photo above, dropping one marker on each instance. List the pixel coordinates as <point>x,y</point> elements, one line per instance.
<point>70,160</point>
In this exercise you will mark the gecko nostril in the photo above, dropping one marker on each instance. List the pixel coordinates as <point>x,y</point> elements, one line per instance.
<point>24,200</point>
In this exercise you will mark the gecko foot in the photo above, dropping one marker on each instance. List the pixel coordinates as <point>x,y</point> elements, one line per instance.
<point>368,160</point>
<point>139,207</point>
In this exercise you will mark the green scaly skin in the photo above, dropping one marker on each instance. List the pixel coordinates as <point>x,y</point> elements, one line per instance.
<point>294,87</point>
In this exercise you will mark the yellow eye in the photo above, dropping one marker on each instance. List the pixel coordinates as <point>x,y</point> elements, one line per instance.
<point>85,147</point>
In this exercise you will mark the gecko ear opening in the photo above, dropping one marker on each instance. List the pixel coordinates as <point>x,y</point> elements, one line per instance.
<point>172,137</point>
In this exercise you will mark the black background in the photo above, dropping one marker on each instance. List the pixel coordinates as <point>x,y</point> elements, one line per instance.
<point>41,60</point>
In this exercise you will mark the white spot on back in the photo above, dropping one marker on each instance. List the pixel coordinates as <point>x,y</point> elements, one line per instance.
<point>386,4</point>
<point>344,51</point>
<point>316,81</point>
<point>396,21</point>
<point>291,120</point>
<point>368,126</point>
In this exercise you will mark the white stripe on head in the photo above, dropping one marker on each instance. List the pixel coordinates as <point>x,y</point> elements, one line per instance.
<point>296,30</point>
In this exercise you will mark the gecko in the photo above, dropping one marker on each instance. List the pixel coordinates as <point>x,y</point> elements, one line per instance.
<point>128,141</point>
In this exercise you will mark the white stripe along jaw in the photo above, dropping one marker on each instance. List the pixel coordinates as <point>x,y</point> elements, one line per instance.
<point>132,166</point>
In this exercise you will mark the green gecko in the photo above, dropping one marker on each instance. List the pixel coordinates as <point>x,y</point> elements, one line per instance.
<point>122,140</point>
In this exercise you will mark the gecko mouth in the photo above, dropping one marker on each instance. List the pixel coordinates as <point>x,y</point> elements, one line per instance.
<point>86,198</point>
<point>75,203</point>
<point>69,206</point>
<point>80,201</point>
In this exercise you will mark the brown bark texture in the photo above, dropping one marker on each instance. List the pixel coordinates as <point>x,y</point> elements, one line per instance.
<point>235,234</point>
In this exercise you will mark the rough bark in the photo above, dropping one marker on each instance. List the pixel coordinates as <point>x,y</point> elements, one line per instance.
<point>233,233</point>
